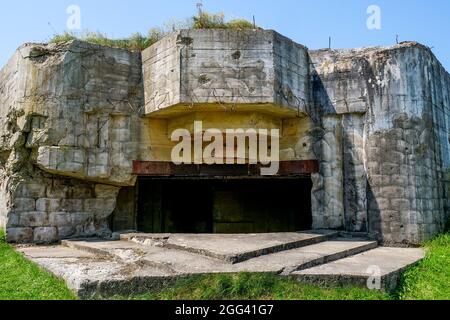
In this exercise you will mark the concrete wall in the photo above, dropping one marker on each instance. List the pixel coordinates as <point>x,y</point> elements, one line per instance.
<point>124,215</point>
<point>70,130</point>
<point>393,100</point>
<point>74,108</point>
<point>50,208</point>
<point>252,70</point>
<point>4,204</point>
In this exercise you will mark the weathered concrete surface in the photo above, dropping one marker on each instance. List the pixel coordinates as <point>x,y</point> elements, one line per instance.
<point>382,264</point>
<point>69,132</point>
<point>387,110</point>
<point>71,109</point>
<point>88,274</point>
<point>237,247</point>
<point>184,261</point>
<point>45,210</point>
<point>96,267</point>
<point>285,262</point>
<point>253,70</point>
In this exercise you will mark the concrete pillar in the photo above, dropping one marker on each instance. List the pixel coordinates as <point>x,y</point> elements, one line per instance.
<point>328,194</point>
<point>355,177</point>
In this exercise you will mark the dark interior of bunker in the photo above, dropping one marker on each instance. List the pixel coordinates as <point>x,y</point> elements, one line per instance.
<point>224,205</point>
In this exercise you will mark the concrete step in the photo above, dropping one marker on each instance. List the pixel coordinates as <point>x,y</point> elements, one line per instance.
<point>379,268</point>
<point>105,266</point>
<point>170,261</point>
<point>181,262</point>
<point>110,250</point>
<point>97,266</point>
<point>90,275</point>
<point>286,262</point>
<point>233,248</point>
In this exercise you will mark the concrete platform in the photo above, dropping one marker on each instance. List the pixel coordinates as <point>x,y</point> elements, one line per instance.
<point>234,248</point>
<point>381,267</point>
<point>176,262</point>
<point>93,267</point>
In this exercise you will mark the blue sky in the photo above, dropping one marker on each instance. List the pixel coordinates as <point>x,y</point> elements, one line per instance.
<point>309,22</point>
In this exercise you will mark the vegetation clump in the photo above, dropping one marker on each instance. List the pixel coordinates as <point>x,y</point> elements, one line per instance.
<point>137,41</point>
<point>205,20</point>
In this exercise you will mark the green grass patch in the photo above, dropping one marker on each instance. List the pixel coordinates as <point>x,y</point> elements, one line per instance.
<point>245,286</point>
<point>21,279</point>
<point>430,279</point>
<point>137,41</point>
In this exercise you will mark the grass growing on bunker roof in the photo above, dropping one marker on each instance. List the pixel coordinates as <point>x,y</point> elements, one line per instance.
<point>137,41</point>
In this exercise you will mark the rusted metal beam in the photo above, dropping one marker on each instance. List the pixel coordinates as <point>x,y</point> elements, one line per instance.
<point>169,169</point>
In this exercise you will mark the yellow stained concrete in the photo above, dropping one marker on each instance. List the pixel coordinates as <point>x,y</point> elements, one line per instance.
<point>295,143</point>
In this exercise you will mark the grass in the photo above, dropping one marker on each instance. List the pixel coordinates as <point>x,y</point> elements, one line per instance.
<point>205,20</point>
<point>23,280</point>
<point>245,286</point>
<point>137,41</point>
<point>430,279</point>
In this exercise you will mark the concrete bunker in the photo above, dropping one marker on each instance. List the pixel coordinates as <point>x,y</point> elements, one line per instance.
<point>74,146</point>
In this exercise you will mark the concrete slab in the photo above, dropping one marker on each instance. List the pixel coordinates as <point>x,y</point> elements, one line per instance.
<point>306,257</point>
<point>235,248</point>
<point>90,275</point>
<point>126,250</point>
<point>105,268</point>
<point>53,252</point>
<point>176,262</point>
<point>170,261</point>
<point>381,266</point>
<point>185,263</point>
